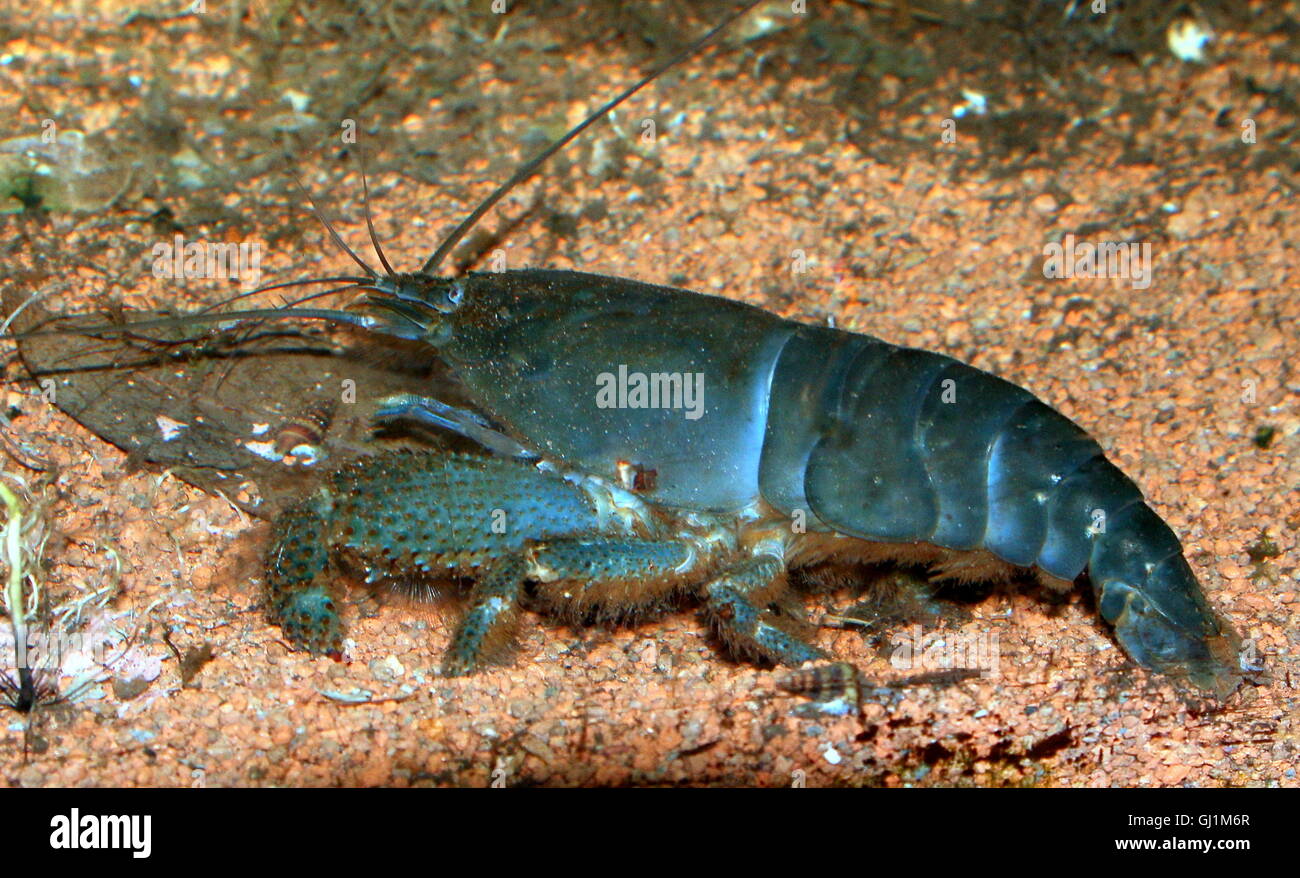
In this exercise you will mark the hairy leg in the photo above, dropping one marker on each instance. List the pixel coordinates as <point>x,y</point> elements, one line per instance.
<point>571,573</point>
<point>736,604</point>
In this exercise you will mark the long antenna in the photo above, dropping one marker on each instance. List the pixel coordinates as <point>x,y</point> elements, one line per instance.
<point>526,171</point>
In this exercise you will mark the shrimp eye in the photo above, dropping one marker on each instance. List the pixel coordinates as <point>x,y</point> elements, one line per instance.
<point>450,298</point>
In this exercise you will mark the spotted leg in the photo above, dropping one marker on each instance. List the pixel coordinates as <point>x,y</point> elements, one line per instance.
<point>298,599</point>
<point>739,604</point>
<point>577,575</point>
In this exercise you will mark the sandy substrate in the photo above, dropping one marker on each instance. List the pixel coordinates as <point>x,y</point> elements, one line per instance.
<point>931,250</point>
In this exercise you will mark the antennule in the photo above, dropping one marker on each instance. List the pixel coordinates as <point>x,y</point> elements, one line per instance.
<point>316,211</point>
<point>370,224</point>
